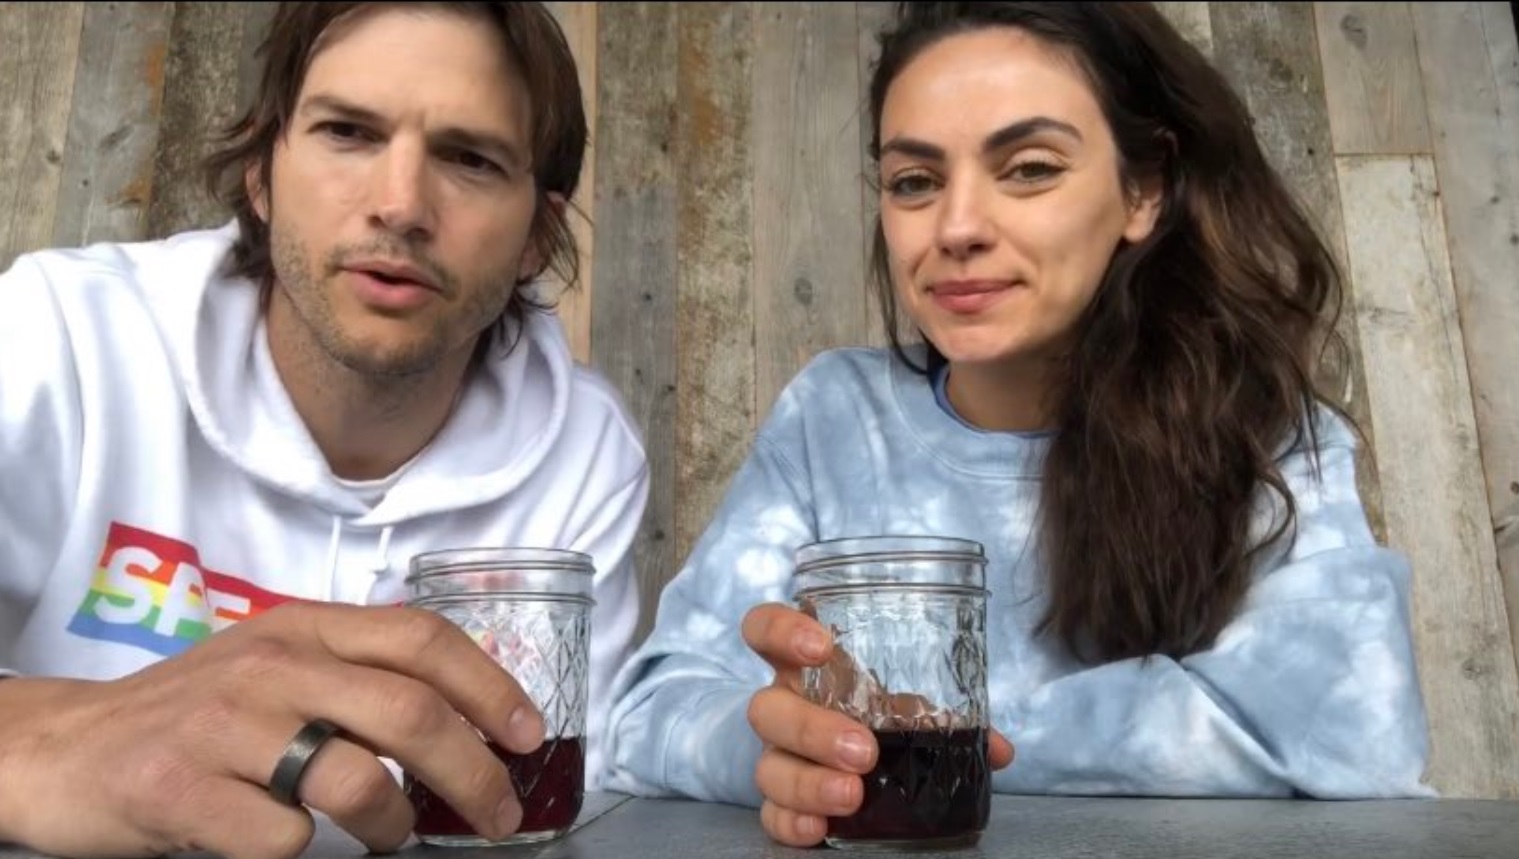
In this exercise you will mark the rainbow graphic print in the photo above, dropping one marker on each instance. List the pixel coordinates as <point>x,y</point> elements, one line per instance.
<point>151,592</point>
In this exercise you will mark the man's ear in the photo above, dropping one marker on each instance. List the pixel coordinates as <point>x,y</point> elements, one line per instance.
<point>534,258</point>
<point>258,195</point>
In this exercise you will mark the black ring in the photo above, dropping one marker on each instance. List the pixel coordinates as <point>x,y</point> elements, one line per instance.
<point>292,764</point>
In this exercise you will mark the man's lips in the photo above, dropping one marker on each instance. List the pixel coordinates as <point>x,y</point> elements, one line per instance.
<point>393,272</point>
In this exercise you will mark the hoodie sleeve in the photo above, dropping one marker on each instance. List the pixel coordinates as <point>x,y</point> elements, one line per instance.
<point>40,439</point>
<point>1312,689</point>
<point>679,722</point>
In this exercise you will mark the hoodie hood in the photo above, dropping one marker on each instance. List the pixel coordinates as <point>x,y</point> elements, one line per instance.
<point>510,412</point>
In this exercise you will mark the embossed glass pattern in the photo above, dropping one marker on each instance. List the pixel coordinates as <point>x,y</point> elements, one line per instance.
<point>908,617</point>
<point>530,610</point>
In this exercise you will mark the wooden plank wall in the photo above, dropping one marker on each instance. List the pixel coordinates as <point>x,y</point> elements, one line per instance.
<point>726,216</point>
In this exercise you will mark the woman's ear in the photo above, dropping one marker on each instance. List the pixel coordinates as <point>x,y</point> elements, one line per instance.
<point>1146,197</point>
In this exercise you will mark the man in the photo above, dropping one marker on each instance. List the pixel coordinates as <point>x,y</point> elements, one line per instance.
<point>249,432</point>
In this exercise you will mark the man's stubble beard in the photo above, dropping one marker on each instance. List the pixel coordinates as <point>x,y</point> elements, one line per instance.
<point>310,299</point>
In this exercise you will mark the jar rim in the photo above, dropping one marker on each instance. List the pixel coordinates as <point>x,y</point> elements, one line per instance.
<point>443,562</point>
<point>879,548</point>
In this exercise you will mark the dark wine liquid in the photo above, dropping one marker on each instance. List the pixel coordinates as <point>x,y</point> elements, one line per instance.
<point>550,783</point>
<point>925,785</point>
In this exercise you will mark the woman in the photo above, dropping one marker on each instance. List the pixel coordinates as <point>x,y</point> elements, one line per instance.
<point>1121,308</point>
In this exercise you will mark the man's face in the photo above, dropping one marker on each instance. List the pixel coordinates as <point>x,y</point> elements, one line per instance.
<point>402,193</point>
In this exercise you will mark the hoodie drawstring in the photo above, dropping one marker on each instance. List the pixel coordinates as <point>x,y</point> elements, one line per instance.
<point>378,564</point>
<point>332,553</point>
<point>381,561</point>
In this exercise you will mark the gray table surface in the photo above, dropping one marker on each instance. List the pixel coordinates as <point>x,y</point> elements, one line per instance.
<point>616,827</point>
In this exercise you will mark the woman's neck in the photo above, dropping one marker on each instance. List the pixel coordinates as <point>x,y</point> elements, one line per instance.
<point>1003,397</point>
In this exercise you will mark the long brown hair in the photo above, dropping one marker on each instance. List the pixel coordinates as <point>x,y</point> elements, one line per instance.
<point>1193,367</point>
<point>533,43</point>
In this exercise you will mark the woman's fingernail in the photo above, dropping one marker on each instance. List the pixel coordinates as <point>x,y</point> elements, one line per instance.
<point>839,792</point>
<point>811,644</point>
<point>854,751</point>
<point>810,827</point>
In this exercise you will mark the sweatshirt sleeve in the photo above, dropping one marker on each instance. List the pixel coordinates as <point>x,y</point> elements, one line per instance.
<point>40,440</point>
<point>609,489</point>
<point>1311,690</point>
<point>679,724</point>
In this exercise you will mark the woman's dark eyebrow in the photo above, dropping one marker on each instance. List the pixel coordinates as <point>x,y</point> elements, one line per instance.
<point>1004,136</point>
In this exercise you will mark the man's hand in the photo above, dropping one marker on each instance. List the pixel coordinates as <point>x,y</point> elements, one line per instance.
<point>814,757</point>
<point>178,756</point>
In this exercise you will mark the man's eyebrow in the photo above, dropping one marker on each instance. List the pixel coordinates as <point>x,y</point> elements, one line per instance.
<point>1004,136</point>
<point>463,138</point>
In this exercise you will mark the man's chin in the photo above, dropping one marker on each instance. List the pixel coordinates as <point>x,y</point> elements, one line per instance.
<point>390,361</point>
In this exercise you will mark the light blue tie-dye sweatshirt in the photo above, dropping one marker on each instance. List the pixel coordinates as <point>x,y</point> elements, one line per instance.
<point>1311,690</point>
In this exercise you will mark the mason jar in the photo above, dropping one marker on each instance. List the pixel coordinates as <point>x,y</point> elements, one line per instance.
<point>908,620</point>
<point>530,610</point>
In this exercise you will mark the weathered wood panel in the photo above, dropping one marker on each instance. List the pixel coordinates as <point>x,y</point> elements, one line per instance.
<point>209,71</point>
<point>40,46</point>
<point>808,274</point>
<point>1470,63</point>
<point>1193,21</point>
<point>579,22</point>
<point>1426,434</point>
<point>113,124</point>
<point>1268,53</point>
<point>634,307</point>
<point>715,308</point>
<point>871,18</point>
<point>1371,78</point>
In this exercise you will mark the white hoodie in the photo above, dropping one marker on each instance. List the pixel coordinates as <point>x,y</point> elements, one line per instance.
<point>157,485</point>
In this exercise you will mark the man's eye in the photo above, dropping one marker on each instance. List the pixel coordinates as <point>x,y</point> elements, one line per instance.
<point>475,162</point>
<point>344,130</point>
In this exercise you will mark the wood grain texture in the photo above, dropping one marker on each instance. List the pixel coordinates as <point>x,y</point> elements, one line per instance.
<point>1268,53</point>
<point>39,44</point>
<point>208,74</point>
<point>1371,78</point>
<point>256,18</point>
<point>1470,61</point>
<point>871,19</point>
<point>579,22</point>
<point>1436,510</point>
<point>113,124</point>
<point>808,272</point>
<point>1193,21</point>
<point>715,306</point>
<point>633,318</point>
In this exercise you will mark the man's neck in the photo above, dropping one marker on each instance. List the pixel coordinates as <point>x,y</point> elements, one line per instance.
<point>366,426</point>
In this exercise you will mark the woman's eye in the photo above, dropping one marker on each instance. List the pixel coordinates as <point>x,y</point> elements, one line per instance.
<point>911,185</point>
<point>1034,171</point>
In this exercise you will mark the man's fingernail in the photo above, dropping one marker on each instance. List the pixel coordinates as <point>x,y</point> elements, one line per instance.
<point>509,816</point>
<point>525,728</point>
<point>812,644</point>
<point>854,751</point>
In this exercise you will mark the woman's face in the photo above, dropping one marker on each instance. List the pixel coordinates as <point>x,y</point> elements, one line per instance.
<point>1001,199</point>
